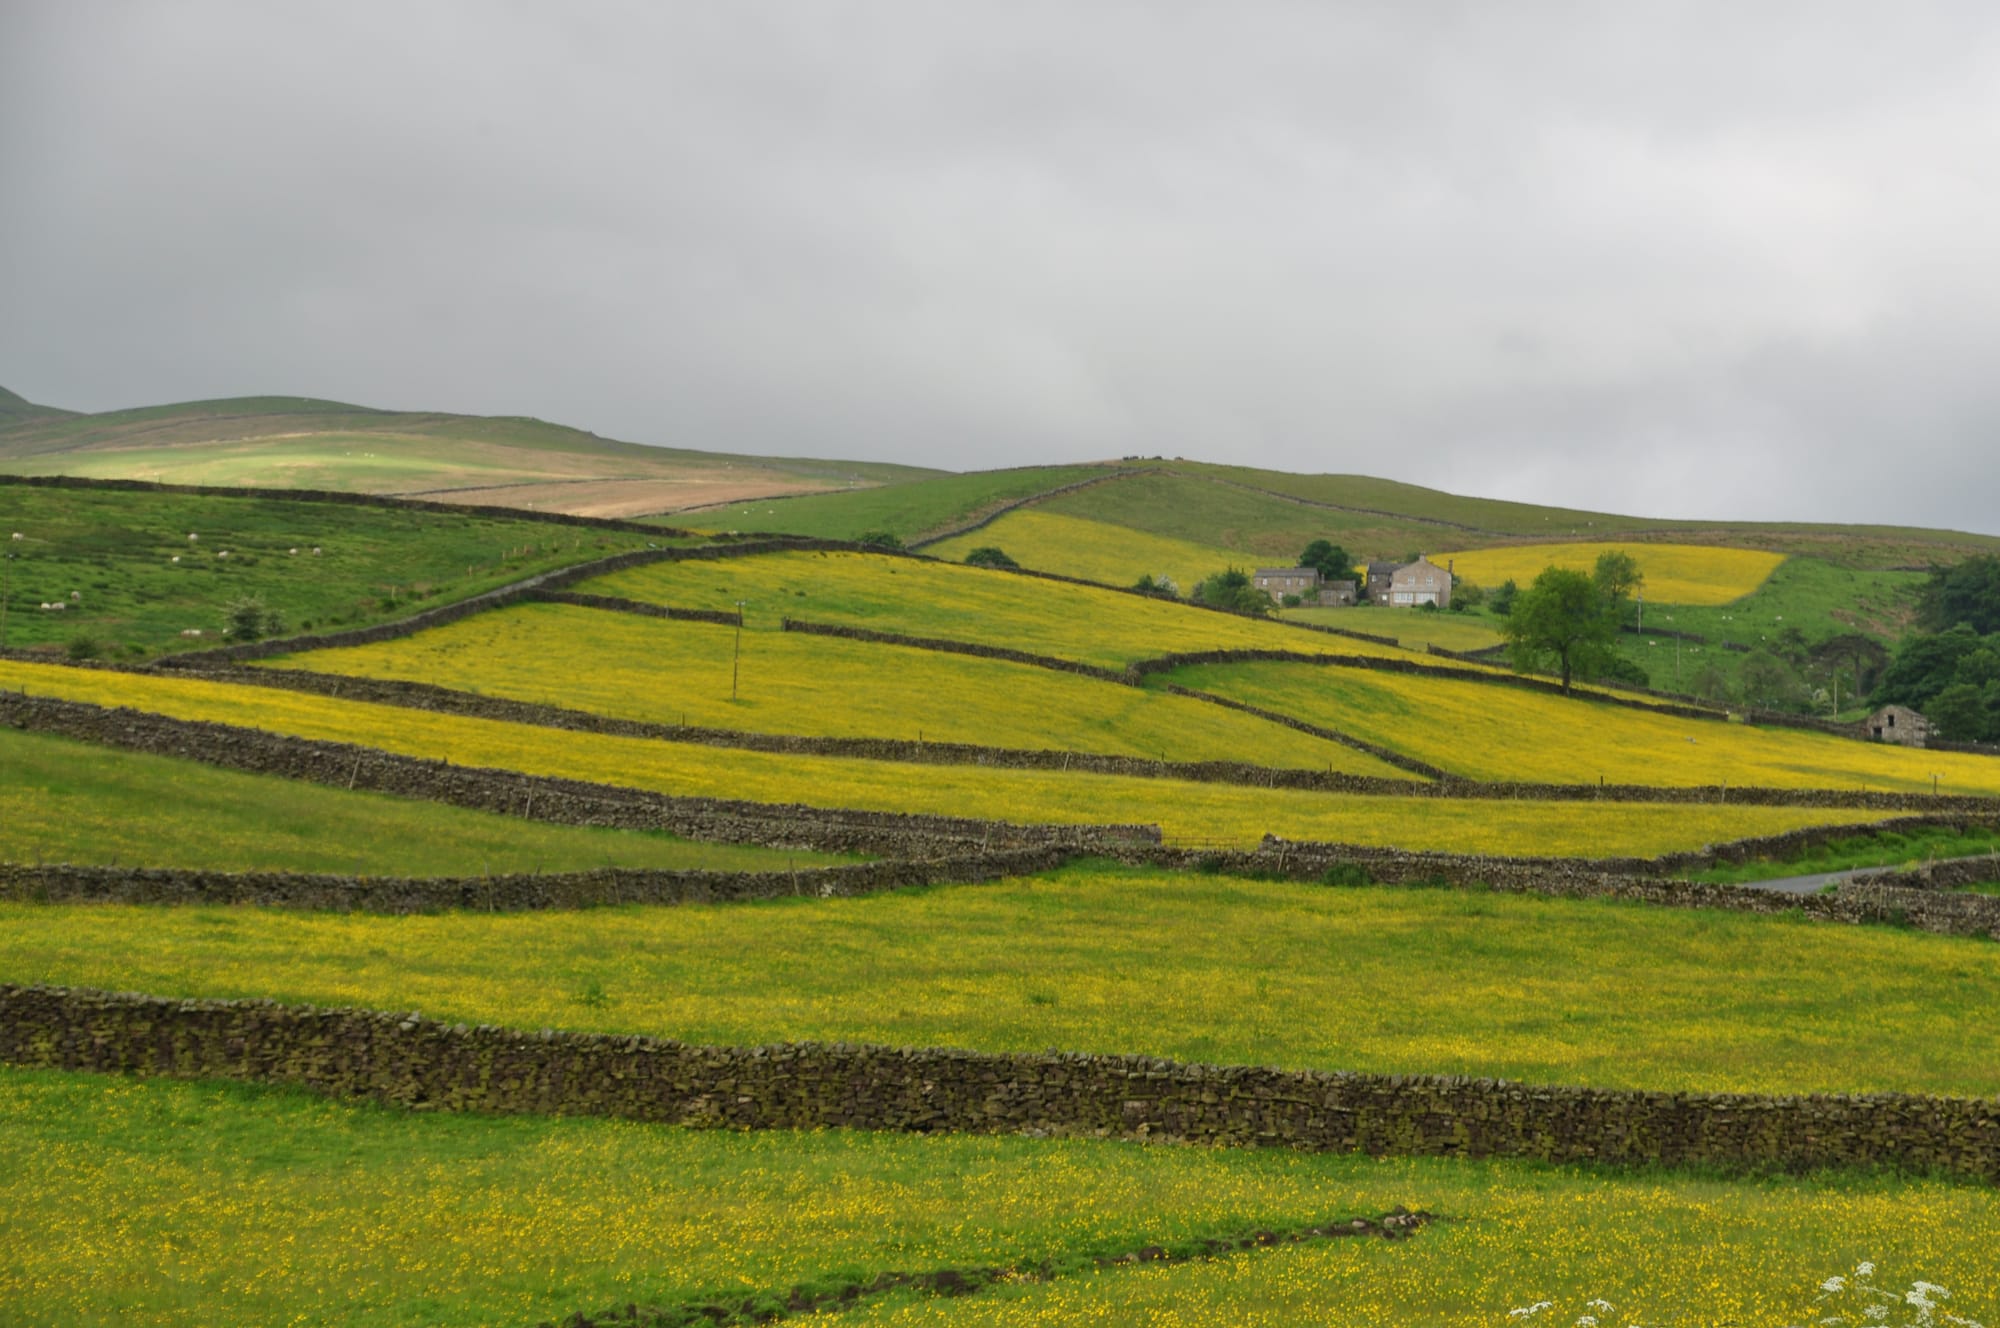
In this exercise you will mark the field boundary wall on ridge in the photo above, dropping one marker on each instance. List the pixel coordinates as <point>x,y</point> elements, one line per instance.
<point>406,1060</point>
<point>1016,504</point>
<point>344,499</point>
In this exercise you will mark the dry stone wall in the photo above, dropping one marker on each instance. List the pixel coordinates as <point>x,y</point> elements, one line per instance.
<point>543,798</point>
<point>505,893</point>
<point>409,1061</point>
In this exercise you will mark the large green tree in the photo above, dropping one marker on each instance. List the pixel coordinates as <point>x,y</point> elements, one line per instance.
<point>1562,620</point>
<point>1968,593</point>
<point>1618,579</point>
<point>1334,563</point>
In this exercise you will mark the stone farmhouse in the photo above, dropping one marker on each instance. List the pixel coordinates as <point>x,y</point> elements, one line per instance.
<point>1901,725</point>
<point>1405,585</point>
<point>1306,583</point>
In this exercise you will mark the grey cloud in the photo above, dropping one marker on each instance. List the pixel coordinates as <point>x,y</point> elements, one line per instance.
<point>1667,259</point>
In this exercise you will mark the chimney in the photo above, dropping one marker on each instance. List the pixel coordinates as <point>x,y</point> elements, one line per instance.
<point>1449,564</point>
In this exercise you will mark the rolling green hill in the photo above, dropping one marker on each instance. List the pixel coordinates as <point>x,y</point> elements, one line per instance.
<point>304,442</point>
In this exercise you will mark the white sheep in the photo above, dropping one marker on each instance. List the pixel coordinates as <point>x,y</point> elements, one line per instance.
<point>192,537</point>
<point>76,597</point>
<point>176,558</point>
<point>315,550</point>
<point>18,535</point>
<point>223,554</point>
<point>190,631</point>
<point>293,552</point>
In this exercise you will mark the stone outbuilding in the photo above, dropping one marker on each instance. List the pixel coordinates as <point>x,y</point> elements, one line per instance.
<point>1899,724</point>
<point>1406,585</point>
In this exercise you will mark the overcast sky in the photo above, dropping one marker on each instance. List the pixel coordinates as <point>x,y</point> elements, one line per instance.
<point>1679,259</point>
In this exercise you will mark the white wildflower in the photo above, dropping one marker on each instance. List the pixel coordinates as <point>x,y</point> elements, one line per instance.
<point>1530,1311</point>
<point>1586,1321</point>
<point>1603,1306</point>
<point>1864,1269</point>
<point>1834,1284</point>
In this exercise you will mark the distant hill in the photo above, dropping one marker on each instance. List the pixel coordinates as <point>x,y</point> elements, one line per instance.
<point>15,409</point>
<point>305,442</point>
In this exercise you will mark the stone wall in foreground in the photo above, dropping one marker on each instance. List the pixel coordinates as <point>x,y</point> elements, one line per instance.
<point>413,1062</point>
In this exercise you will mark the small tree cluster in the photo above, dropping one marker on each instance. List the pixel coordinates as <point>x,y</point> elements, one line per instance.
<point>1232,589</point>
<point>989,555</point>
<point>250,619</point>
<point>1569,622</point>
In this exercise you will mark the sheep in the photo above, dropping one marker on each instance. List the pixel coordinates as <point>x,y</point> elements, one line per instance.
<point>192,537</point>
<point>293,552</point>
<point>190,631</point>
<point>19,536</point>
<point>176,558</point>
<point>223,554</point>
<point>76,597</point>
<point>315,550</point>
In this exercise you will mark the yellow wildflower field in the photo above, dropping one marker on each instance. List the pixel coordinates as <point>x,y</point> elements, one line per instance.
<point>1101,959</point>
<point>1094,550</point>
<point>669,672</point>
<point>279,1207</point>
<point>1084,623</point>
<point>1187,812</point>
<point>1483,731</point>
<point>1599,1249</point>
<point>1700,574</point>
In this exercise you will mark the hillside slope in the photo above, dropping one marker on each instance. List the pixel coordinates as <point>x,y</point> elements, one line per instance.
<point>17,409</point>
<point>305,442</point>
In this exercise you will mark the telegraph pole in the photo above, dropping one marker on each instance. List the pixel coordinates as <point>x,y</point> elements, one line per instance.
<point>736,661</point>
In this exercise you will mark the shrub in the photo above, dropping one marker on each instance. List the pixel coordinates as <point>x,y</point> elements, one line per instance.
<point>989,556</point>
<point>84,646</point>
<point>879,539</point>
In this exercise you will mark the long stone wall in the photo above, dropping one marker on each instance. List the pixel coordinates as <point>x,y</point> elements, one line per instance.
<point>516,892</point>
<point>948,647</point>
<point>540,797</point>
<point>981,522</point>
<point>409,1061</point>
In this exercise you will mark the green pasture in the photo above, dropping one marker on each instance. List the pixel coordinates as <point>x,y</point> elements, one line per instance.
<point>1414,628</point>
<point>698,673</point>
<point>1101,959</point>
<point>907,510</point>
<point>165,1203</point>
<point>116,552</point>
<point>68,801</point>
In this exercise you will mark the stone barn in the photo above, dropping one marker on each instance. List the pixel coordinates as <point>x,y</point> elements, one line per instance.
<point>1278,582</point>
<point>1899,724</point>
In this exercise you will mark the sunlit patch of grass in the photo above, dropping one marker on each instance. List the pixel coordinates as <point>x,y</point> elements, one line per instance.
<point>1093,550</point>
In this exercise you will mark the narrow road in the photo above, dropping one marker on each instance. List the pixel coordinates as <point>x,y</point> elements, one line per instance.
<point>1810,885</point>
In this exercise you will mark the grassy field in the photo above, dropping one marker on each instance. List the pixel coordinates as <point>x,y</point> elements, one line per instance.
<point>1106,959</point>
<point>1484,731</point>
<point>1084,623</point>
<point>1675,573</point>
<point>65,801</point>
<point>680,672</point>
<point>1094,550</point>
<point>1814,596</point>
<point>282,1208</point>
<point>1415,628</point>
<point>117,552</point>
<point>907,510</point>
<point>1187,812</point>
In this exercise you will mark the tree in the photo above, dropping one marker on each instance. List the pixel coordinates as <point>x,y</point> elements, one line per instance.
<point>1862,656</point>
<point>1768,682</point>
<point>1961,713</point>
<point>1968,593</point>
<point>1232,589</point>
<point>1162,585</point>
<point>1712,683</point>
<point>989,556</point>
<point>879,539</point>
<point>1466,595</point>
<point>1561,619</point>
<point>1501,601</point>
<point>1333,562</point>
<point>1618,578</point>
<point>248,619</point>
